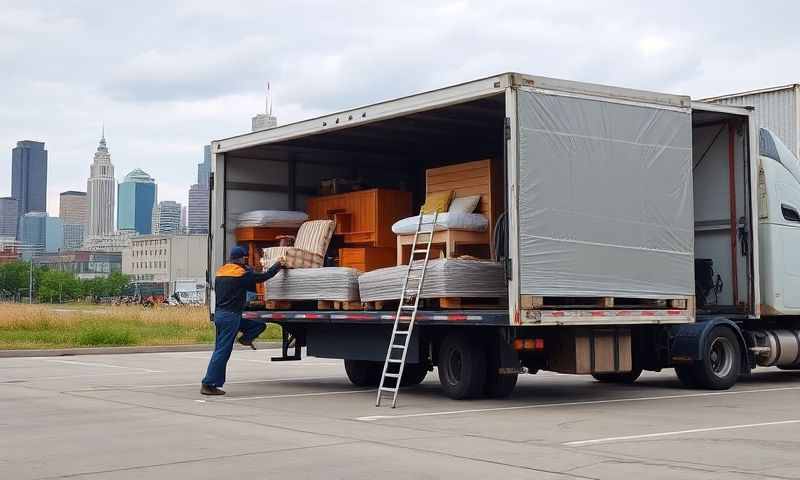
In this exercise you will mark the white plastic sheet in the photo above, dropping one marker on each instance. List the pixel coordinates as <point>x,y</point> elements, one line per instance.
<point>605,198</point>
<point>449,277</point>
<point>327,283</point>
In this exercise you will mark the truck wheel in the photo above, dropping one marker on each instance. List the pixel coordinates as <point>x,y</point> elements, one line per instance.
<point>363,373</point>
<point>499,386</point>
<point>623,377</point>
<point>722,361</point>
<point>413,374</point>
<point>462,366</point>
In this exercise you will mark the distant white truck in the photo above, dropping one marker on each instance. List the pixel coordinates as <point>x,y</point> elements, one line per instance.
<point>644,231</point>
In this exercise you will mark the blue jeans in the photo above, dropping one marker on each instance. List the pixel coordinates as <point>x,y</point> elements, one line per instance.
<point>228,325</point>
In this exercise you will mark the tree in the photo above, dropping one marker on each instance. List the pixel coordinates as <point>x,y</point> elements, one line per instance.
<point>14,276</point>
<point>117,283</point>
<point>58,286</point>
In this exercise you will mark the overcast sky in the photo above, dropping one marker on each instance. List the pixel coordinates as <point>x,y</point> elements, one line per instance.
<point>168,77</point>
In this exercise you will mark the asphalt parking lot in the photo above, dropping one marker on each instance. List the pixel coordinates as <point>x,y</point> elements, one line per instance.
<point>141,416</point>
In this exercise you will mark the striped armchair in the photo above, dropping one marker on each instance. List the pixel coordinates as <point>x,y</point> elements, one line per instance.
<point>309,247</point>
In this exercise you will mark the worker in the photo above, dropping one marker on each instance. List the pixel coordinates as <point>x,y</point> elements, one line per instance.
<point>231,284</point>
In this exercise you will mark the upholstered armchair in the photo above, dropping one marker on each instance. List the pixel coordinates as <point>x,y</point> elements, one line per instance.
<point>309,246</point>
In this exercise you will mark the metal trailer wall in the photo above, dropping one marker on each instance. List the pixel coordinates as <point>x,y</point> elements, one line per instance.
<point>777,109</point>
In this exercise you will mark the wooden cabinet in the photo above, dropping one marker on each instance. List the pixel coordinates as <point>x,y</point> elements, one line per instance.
<point>364,217</point>
<point>366,259</point>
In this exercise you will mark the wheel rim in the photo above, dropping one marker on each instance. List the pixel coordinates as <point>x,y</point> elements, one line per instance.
<point>720,357</point>
<point>455,364</point>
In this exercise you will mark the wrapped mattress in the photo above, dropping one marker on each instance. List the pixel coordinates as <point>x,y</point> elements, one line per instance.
<point>327,283</point>
<point>271,218</point>
<point>446,277</point>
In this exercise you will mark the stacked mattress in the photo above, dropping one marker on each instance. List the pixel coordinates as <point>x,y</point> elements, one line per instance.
<point>446,277</point>
<point>271,219</point>
<point>329,283</point>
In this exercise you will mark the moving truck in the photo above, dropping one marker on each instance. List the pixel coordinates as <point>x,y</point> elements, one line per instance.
<point>641,231</point>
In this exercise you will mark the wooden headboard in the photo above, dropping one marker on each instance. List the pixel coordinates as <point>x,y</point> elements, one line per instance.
<point>470,178</point>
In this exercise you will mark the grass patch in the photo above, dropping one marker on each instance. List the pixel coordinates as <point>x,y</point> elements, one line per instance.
<point>42,326</point>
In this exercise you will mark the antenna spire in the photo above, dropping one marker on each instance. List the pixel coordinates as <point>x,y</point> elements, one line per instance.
<point>103,131</point>
<point>268,109</point>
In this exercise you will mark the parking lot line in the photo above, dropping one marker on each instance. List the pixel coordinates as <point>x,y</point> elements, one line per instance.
<point>370,418</point>
<point>677,432</point>
<point>197,383</point>
<point>288,395</point>
<point>96,364</point>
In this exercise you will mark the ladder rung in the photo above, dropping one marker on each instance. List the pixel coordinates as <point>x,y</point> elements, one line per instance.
<point>401,347</point>
<point>406,307</point>
<point>387,389</point>
<point>395,360</point>
<point>392,375</point>
<point>420,250</point>
<point>401,332</point>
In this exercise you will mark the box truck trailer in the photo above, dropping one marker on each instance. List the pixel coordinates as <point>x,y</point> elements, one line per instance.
<point>641,231</point>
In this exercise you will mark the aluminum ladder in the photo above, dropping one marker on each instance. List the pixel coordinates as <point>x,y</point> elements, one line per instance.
<point>409,305</point>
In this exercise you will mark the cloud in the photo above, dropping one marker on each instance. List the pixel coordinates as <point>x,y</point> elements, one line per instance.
<point>167,77</point>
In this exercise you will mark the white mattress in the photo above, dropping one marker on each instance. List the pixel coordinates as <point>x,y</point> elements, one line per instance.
<point>473,222</point>
<point>449,277</point>
<point>327,283</point>
<point>271,218</point>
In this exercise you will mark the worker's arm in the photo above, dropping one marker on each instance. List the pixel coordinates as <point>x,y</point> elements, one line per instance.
<point>259,277</point>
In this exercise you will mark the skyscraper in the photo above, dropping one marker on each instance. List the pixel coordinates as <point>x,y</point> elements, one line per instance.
<point>100,190</point>
<point>9,215</point>
<point>29,176</point>
<point>265,121</point>
<point>53,234</point>
<point>73,236</point>
<point>32,234</point>
<point>184,218</point>
<point>198,210</point>
<point>73,208</point>
<point>167,217</point>
<point>137,198</point>
<point>204,169</point>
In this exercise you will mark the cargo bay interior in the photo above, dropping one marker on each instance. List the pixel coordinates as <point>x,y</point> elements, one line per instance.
<point>722,189</point>
<point>369,176</point>
<point>396,154</point>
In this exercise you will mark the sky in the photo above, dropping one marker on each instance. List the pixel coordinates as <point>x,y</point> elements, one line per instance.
<point>167,77</point>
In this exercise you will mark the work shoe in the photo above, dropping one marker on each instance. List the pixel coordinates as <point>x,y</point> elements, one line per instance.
<point>209,390</point>
<point>246,343</point>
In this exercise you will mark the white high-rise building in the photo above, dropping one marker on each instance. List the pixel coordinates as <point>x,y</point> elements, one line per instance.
<point>265,121</point>
<point>100,192</point>
<point>167,218</point>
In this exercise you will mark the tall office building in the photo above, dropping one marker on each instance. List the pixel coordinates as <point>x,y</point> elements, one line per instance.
<point>204,169</point>
<point>265,121</point>
<point>73,208</point>
<point>8,217</point>
<point>53,234</point>
<point>73,236</point>
<point>135,202</point>
<point>198,210</point>
<point>32,234</point>
<point>184,217</point>
<point>167,217</point>
<point>100,191</point>
<point>29,176</point>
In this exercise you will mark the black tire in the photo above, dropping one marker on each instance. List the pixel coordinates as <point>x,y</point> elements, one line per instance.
<point>462,366</point>
<point>413,374</point>
<point>722,359</point>
<point>626,378</point>
<point>363,373</point>
<point>686,376</point>
<point>499,386</point>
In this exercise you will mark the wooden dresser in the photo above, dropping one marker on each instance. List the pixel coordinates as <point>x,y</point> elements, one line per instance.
<point>363,220</point>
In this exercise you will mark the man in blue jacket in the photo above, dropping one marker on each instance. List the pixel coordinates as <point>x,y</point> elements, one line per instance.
<point>231,284</point>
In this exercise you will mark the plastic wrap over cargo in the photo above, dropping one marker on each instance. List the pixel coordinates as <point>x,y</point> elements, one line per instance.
<point>473,222</point>
<point>328,283</point>
<point>605,198</point>
<point>271,218</point>
<point>449,277</point>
